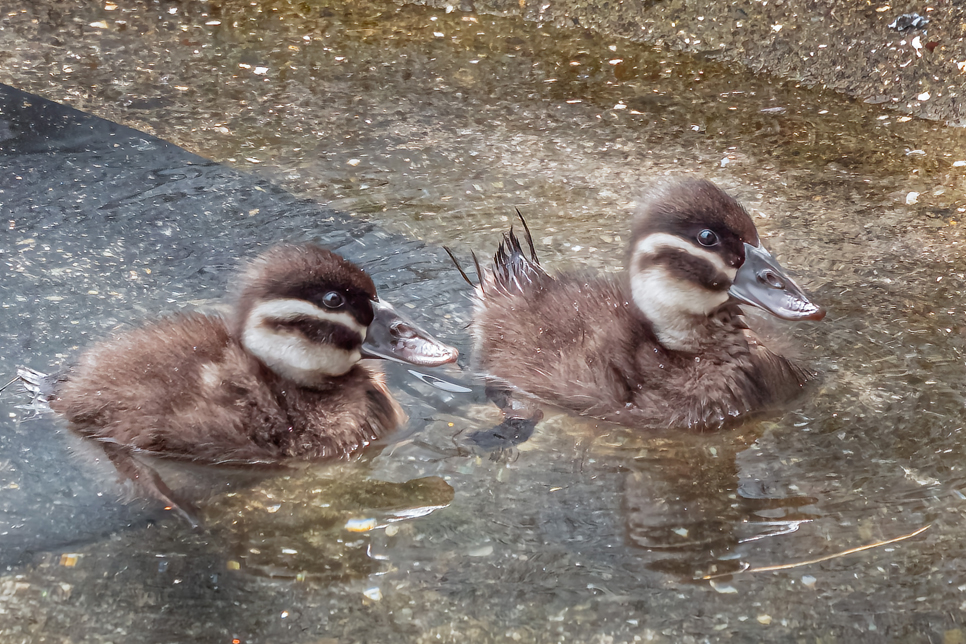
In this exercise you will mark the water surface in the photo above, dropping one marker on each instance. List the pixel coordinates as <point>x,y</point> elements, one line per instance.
<point>403,124</point>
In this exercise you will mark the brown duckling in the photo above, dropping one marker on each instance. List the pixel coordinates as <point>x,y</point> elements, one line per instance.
<point>279,381</point>
<point>662,345</point>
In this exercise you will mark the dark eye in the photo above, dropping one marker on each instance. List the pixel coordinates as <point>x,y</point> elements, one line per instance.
<point>333,300</point>
<point>707,237</point>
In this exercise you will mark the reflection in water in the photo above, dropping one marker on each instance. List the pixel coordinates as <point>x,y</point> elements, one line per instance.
<point>688,498</point>
<point>305,528</point>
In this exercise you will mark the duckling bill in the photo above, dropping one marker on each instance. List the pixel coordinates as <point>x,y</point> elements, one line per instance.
<point>279,380</point>
<point>663,344</point>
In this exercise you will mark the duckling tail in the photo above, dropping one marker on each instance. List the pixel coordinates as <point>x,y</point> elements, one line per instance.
<point>511,268</point>
<point>526,229</point>
<point>459,267</point>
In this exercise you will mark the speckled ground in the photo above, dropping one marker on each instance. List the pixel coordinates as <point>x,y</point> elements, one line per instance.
<point>845,46</point>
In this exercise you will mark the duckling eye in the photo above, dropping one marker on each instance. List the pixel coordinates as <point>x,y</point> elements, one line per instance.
<point>707,237</point>
<point>333,300</point>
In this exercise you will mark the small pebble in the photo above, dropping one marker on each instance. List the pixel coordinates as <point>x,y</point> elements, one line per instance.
<point>724,588</point>
<point>69,560</point>
<point>482,551</point>
<point>360,525</point>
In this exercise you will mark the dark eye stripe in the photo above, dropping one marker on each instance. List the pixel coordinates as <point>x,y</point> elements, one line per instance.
<point>685,266</point>
<point>318,331</point>
<point>357,303</point>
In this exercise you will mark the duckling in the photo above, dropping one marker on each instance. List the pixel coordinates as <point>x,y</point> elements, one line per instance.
<point>662,345</point>
<point>278,381</point>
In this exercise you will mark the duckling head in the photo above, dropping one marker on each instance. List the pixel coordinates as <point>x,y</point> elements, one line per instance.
<point>693,250</point>
<point>306,313</point>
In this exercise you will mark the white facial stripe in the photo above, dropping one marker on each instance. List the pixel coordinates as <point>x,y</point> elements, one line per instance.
<point>290,354</point>
<point>294,357</point>
<point>651,244</point>
<point>290,309</point>
<point>670,304</point>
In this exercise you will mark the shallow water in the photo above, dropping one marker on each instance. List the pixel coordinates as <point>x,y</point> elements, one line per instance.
<point>587,532</point>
